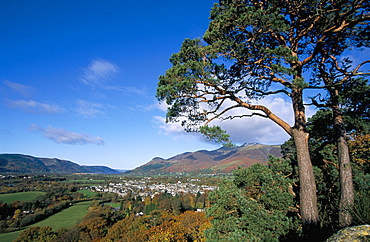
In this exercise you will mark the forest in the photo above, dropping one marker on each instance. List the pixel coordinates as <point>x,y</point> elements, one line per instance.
<point>103,215</point>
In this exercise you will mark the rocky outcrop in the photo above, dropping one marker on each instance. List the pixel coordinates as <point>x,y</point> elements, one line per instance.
<point>351,234</point>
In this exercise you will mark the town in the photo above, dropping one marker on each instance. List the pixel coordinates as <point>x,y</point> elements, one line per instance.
<point>148,186</point>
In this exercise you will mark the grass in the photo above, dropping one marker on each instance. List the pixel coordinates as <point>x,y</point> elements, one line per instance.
<point>8,237</point>
<point>66,218</point>
<point>87,193</point>
<point>113,205</point>
<point>20,196</point>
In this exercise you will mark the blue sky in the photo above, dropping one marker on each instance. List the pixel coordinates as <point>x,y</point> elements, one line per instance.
<point>78,81</point>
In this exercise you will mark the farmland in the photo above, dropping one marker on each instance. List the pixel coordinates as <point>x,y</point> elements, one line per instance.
<point>20,196</point>
<point>66,218</point>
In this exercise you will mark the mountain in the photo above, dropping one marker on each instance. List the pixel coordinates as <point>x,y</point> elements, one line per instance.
<point>219,160</point>
<point>29,164</point>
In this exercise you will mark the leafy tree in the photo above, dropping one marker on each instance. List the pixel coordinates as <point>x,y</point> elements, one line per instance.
<point>194,225</point>
<point>335,74</point>
<point>346,108</point>
<point>37,234</point>
<point>354,106</point>
<point>65,235</point>
<point>360,153</point>
<point>255,49</point>
<point>254,206</point>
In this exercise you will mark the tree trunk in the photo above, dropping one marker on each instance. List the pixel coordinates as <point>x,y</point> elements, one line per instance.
<point>347,196</point>
<point>308,198</point>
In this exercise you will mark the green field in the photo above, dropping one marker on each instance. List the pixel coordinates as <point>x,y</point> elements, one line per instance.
<point>66,218</point>
<point>8,237</point>
<point>87,193</point>
<point>113,205</point>
<point>20,196</point>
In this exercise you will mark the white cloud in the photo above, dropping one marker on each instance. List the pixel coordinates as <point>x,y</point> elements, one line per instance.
<point>89,109</point>
<point>254,129</point>
<point>61,136</point>
<point>35,107</point>
<point>99,72</point>
<point>174,129</point>
<point>259,129</point>
<point>24,90</point>
<point>162,106</point>
<point>102,74</point>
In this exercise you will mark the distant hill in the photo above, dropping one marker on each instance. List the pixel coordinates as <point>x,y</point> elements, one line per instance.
<point>29,164</point>
<point>219,160</point>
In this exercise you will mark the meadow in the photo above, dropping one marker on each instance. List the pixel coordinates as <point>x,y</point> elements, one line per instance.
<point>8,237</point>
<point>113,205</point>
<point>20,196</point>
<point>67,218</point>
<point>87,193</point>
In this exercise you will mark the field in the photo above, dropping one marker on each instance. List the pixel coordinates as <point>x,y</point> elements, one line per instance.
<point>113,205</point>
<point>87,193</point>
<point>20,196</point>
<point>8,237</point>
<point>66,218</point>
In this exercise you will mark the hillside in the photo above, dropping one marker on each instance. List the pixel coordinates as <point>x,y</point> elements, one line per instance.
<point>29,164</point>
<point>219,160</point>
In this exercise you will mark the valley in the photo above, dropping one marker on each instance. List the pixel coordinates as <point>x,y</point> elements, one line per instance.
<point>58,203</point>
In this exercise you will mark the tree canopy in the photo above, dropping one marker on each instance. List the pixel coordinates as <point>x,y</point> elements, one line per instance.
<point>257,48</point>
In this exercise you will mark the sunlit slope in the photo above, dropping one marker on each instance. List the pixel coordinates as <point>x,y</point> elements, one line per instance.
<point>220,160</point>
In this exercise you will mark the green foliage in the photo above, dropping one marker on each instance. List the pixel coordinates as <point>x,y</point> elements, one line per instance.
<point>255,49</point>
<point>353,98</point>
<point>216,134</point>
<point>253,207</point>
<point>66,218</point>
<point>361,209</point>
<point>354,101</point>
<point>37,234</point>
<point>87,193</point>
<point>150,207</point>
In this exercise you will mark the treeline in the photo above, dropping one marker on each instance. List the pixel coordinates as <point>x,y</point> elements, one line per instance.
<point>37,215</point>
<point>161,218</point>
<point>18,214</point>
<point>177,204</point>
<point>58,195</point>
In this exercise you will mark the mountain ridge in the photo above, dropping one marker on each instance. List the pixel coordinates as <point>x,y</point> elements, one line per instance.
<point>29,164</point>
<point>223,159</point>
